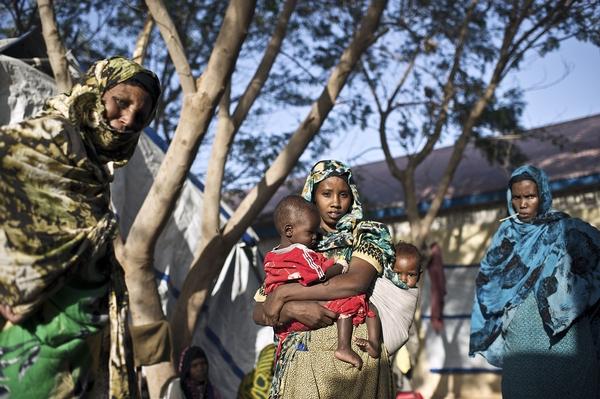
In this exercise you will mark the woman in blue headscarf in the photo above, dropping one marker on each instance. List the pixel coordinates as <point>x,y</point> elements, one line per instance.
<point>536,311</point>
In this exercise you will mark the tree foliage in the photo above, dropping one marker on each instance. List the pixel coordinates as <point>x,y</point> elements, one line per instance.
<point>437,75</point>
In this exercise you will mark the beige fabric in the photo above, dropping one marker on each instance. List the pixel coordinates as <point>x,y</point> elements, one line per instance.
<point>317,374</point>
<point>151,343</point>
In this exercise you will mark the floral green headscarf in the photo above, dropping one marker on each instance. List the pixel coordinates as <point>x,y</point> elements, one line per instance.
<point>351,227</point>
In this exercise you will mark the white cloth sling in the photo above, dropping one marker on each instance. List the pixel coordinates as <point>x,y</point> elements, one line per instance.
<point>396,307</point>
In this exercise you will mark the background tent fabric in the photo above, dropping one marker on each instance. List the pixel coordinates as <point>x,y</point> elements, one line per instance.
<point>23,89</point>
<point>225,329</point>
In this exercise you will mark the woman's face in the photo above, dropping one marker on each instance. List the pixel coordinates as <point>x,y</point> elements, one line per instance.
<point>525,199</point>
<point>128,107</point>
<point>199,370</point>
<point>333,199</point>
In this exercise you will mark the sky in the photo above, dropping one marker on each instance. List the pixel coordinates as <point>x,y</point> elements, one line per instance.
<point>561,86</point>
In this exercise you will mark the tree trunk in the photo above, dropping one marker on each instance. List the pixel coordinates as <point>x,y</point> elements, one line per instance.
<point>229,126</point>
<point>56,51</point>
<point>207,265</point>
<point>196,114</point>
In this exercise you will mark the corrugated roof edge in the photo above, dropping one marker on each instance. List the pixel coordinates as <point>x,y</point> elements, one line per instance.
<point>484,198</point>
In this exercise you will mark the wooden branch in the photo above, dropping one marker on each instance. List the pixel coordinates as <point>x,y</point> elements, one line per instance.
<point>420,156</point>
<point>196,115</point>
<point>544,25</point>
<point>206,267</point>
<point>403,79</point>
<point>211,221</point>
<point>141,45</point>
<point>56,51</point>
<point>136,256</point>
<point>229,126</point>
<point>262,72</point>
<point>170,35</point>
<point>373,88</point>
<point>389,159</point>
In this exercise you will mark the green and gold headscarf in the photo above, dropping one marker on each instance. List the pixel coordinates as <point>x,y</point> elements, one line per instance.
<point>83,106</point>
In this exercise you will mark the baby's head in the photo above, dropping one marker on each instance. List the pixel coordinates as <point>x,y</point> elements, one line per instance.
<point>408,263</point>
<point>297,221</point>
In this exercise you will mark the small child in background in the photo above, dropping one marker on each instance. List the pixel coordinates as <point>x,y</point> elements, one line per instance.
<point>408,268</point>
<point>395,296</point>
<point>297,222</point>
<point>408,263</point>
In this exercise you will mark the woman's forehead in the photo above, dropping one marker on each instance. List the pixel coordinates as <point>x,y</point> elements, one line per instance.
<point>524,185</point>
<point>334,182</point>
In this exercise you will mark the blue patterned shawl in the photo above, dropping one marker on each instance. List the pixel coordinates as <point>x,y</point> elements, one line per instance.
<point>554,257</point>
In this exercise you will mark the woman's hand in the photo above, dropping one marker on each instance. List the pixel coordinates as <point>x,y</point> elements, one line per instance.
<point>7,313</point>
<point>309,313</point>
<point>272,307</point>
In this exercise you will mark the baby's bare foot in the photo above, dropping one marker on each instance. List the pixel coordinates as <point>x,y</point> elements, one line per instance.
<point>349,356</point>
<point>373,349</point>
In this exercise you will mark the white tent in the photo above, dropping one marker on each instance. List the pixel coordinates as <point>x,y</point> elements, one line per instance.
<point>225,329</point>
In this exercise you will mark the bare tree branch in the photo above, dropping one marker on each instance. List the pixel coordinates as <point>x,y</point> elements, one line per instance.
<point>141,45</point>
<point>214,177</point>
<point>229,126</point>
<point>262,72</point>
<point>169,33</point>
<point>208,264</point>
<point>56,51</point>
<point>448,90</point>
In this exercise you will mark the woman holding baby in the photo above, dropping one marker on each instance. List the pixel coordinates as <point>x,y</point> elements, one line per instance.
<point>307,367</point>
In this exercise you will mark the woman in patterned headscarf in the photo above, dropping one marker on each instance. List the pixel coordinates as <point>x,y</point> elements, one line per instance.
<point>306,367</point>
<point>58,276</point>
<point>536,312</point>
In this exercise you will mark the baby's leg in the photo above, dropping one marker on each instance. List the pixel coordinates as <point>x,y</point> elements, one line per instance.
<point>372,345</point>
<point>344,350</point>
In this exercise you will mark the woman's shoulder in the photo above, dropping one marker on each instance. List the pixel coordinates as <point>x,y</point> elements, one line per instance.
<point>579,233</point>
<point>372,227</point>
<point>373,243</point>
<point>45,129</point>
<point>368,231</point>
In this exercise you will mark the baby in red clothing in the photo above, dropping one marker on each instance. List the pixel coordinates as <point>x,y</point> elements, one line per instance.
<point>297,222</point>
